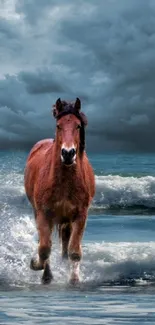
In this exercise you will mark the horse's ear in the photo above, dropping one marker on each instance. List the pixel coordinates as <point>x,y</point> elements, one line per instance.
<point>57,108</point>
<point>77,104</point>
<point>58,105</point>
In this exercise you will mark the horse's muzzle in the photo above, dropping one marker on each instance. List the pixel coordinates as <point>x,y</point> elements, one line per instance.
<point>68,156</point>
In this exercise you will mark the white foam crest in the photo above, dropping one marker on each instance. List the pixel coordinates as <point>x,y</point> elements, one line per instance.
<point>115,190</point>
<point>112,261</point>
<point>16,245</point>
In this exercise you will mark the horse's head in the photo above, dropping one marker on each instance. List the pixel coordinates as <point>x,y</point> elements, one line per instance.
<point>70,134</point>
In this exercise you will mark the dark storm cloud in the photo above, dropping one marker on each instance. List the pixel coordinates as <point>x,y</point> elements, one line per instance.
<point>101,51</point>
<point>41,82</point>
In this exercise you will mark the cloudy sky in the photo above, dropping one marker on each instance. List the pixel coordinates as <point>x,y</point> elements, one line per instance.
<point>101,51</point>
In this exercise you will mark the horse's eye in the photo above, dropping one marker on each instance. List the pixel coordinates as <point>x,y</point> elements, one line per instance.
<point>58,127</point>
<point>78,126</point>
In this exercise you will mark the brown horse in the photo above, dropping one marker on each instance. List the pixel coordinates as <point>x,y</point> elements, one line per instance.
<point>59,182</point>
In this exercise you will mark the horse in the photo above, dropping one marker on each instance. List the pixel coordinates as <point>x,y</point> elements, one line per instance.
<point>60,185</point>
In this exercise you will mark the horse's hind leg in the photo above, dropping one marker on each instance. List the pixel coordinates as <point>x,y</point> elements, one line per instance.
<point>65,232</point>
<point>44,249</point>
<point>74,247</point>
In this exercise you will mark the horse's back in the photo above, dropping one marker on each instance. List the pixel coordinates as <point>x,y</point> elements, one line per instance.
<point>38,157</point>
<point>40,147</point>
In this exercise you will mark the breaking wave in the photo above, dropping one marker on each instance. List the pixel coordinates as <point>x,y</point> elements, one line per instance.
<point>116,192</point>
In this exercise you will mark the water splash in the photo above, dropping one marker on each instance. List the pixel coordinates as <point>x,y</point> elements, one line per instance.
<point>103,263</point>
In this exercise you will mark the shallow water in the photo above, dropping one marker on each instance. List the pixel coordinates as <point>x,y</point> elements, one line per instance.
<point>118,267</point>
<point>100,306</point>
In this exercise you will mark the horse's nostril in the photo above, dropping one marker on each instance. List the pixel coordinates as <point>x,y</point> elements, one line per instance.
<point>63,152</point>
<point>72,152</point>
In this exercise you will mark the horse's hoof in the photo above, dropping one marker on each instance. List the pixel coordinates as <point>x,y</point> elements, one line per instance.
<point>35,266</point>
<point>74,281</point>
<point>47,275</point>
<point>46,279</point>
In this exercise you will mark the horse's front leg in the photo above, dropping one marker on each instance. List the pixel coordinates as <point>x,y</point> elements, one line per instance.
<point>44,248</point>
<point>74,247</point>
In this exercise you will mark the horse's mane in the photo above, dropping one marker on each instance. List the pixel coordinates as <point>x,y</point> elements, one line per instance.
<point>69,108</point>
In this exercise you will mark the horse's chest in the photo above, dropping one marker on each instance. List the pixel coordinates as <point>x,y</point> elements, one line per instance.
<point>63,201</point>
<point>64,208</point>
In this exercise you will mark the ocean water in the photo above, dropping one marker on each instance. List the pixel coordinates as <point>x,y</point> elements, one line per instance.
<point>118,267</point>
